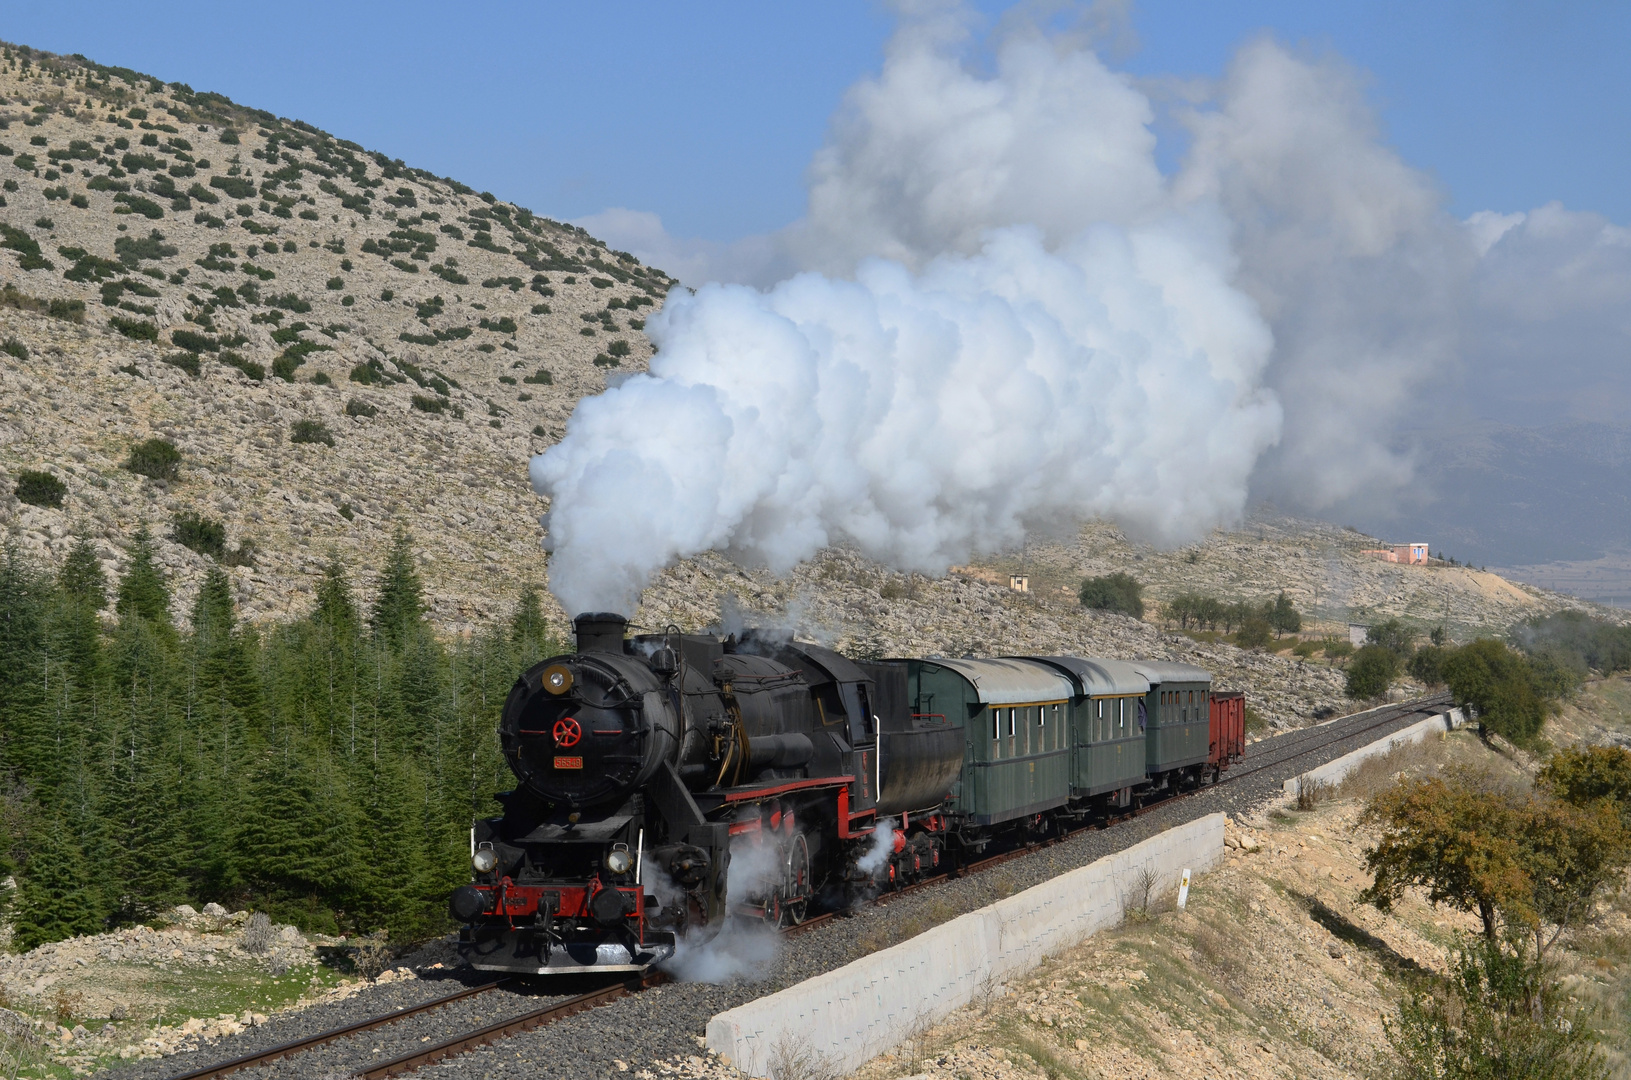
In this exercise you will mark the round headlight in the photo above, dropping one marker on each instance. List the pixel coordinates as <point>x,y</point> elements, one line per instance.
<point>619,861</point>
<point>484,860</point>
<point>557,679</point>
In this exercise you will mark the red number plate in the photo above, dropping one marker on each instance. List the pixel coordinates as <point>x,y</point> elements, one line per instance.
<point>569,763</point>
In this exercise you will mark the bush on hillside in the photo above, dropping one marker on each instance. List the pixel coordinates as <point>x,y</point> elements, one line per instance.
<point>311,431</point>
<point>156,459</point>
<point>203,535</point>
<point>1371,672</point>
<point>1117,592</point>
<point>40,488</point>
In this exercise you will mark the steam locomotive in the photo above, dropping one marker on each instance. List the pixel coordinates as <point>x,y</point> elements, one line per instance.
<point>667,782</point>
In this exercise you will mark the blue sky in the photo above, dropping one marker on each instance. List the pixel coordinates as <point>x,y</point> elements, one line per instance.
<point>707,114</point>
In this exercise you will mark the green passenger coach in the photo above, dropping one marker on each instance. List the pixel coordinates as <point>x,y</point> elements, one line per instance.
<point>1108,737</point>
<point>1177,721</point>
<point>1016,713</point>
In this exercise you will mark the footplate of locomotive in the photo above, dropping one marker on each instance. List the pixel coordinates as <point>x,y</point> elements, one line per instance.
<point>521,952</point>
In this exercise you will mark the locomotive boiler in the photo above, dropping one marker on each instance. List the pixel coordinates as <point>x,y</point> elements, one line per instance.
<point>669,781</point>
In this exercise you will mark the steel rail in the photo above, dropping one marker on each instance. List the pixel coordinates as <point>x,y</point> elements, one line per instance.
<point>503,1029</point>
<point>261,1057</point>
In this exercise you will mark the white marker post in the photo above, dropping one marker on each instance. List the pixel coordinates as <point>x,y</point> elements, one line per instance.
<point>1183,889</point>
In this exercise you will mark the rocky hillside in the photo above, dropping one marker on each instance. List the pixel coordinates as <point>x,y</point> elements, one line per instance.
<point>335,341</point>
<point>338,343</point>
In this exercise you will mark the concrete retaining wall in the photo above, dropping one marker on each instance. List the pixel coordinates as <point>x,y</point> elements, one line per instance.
<point>1334,772</point>
<point>854,1013</point>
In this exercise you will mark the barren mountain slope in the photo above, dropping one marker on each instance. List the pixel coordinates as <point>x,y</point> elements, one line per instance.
<point>441,337</point>
<point>447,305</point>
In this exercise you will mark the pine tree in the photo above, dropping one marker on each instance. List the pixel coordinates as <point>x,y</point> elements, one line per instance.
<point>336,609</point>
<point>400,605</point>
<point>25,742</point>
<point>56,896</point>
<point>81,578</point>
<point>142,592</point>
<point>292,847</point>
<point>528,628</point>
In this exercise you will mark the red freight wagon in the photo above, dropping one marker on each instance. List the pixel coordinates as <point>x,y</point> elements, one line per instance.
<point>1228,729</point>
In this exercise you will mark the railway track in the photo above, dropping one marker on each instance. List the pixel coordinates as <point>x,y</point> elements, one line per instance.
<point>1267,754</point>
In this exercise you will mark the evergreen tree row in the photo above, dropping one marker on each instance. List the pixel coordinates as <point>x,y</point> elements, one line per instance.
<point>324,771</point>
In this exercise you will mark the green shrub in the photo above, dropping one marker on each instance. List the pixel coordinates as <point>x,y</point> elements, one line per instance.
<point>131,250</point>
<point>236,187</point>
<point>1337,648</point>
<point>1501,684</point>
<point>601,283</point>
<point>40,488</point>
<point>136,329</point>
<point>358,407</point>
<point>12,347</point>
<point>538,430</point>
<point>311,431</point>
<point>1117,592</point>
<point>209,221</point>
<point>289,302</point>
<point>229,137</point>
<point>156,459</point>
<point>336,283</point>
<point>540,309</point>
<point>248,367</point>
<point>1254,633</point>
<point>368,376</point>
<point>387,295</point>
<point>1393,636</point>
<point>618,348</point>
<point>203,535</point>
<point>541,377</point>
<point>602,360</point>
<point>186,361</point>
<point>428,404</point>
<point>193,342</point>
<point>1371,672</point>
<point>27,248</point>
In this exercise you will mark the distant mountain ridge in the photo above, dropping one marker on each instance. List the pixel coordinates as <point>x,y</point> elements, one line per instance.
<point>1507,495</point>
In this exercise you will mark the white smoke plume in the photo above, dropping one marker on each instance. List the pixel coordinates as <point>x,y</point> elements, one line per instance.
<point>1010,320</point>
<point>739,948</point>
<point>922,417</point>
<point>883,844</point>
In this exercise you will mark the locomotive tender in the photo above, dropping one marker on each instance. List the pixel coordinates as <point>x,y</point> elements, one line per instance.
<point>670,781</point>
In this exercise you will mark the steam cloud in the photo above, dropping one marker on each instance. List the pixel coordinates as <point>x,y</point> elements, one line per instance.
<point>1010,319</point>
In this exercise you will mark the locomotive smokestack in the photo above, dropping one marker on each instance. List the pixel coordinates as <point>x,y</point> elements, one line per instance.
<point>600,631</point>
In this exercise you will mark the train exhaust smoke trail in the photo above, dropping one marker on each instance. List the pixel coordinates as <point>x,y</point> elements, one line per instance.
<point>923,417</point>
<point>1010,320</point>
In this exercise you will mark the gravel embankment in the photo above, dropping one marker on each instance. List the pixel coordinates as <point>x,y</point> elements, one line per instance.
<point>668,1021</point>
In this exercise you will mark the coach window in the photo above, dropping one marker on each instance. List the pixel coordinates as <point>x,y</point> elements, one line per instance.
<point>996,724</point>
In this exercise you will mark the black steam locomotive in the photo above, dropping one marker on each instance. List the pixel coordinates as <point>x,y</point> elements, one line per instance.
<point>648,764</point>
<point>669,781</point>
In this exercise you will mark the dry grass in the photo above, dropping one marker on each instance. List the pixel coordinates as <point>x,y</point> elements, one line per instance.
<point>793,1058</point>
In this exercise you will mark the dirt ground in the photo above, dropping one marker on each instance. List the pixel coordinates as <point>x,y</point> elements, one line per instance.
<point>1274,969</point>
